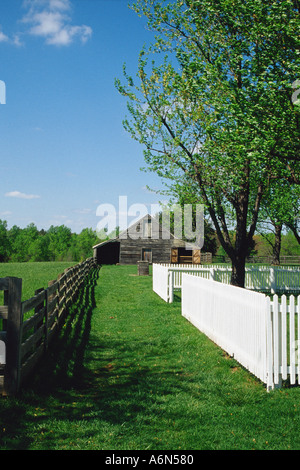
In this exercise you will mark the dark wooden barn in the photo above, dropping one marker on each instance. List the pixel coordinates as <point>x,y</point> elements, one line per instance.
<point>146,240</point>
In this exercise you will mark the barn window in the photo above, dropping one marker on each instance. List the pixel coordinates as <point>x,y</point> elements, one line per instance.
<point>147,255</point>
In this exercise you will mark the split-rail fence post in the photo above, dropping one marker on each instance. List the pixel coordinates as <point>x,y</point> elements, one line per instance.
<point>13,298</point>
<point>51,307</point>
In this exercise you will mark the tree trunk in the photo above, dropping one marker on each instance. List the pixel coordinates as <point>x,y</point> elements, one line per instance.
<point>238,271</point>
<point>293,228</point>
<point>242,240</point>
<point>238,250</point>
<point>277,245</point>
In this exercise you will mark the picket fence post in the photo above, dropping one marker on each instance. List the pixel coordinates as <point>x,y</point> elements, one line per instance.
<point>170,275</point>
<point>212,274</point>
<point>271,370</point>
<point>272,280</point>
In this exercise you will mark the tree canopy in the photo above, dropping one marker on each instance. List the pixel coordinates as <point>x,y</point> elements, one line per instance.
<point>55,244</point>
<point>212,105</point>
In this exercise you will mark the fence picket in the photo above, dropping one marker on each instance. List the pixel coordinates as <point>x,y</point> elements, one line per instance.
<point>269,348</point>
<point>258,333</point>
<point>276,338</point>
<point>292,338</point>
<point>284,336</point>
<point>233,318</point>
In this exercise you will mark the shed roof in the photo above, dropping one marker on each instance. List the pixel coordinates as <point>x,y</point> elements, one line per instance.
<point>124,234</point>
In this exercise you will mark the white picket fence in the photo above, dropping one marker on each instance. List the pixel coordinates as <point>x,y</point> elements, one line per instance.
<point>263,336</point>
<point>168,277</point>
<point>161,281</point>
<point>285,317</point>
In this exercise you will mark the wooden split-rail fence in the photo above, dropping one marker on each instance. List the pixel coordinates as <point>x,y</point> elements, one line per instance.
<point>25,337</point>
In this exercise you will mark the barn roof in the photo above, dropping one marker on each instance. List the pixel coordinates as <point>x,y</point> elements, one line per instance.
<point>123,235</point>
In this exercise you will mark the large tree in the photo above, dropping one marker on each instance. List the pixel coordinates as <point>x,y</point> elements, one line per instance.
<point>280,209</point>
<point>215,110</point>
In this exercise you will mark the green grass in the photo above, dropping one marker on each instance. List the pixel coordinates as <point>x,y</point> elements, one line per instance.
<point>129,372</point>
<point>35,275</point>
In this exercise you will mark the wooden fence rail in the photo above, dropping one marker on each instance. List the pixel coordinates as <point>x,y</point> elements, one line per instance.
<point>29,326</point>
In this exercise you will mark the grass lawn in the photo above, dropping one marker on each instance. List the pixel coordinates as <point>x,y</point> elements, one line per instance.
<point>128,372</point>
<point>34,275</point>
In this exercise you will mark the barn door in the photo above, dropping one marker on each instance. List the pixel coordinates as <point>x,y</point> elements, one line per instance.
<point>196,256</point>
<point>147,255</point>
<point>174,255</point>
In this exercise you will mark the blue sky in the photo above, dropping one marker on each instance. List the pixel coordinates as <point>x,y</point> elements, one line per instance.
<point>63,148</point>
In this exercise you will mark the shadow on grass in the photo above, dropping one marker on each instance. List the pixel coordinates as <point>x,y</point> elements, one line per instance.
<point>59,372</point>
<point>177,296</point>
<point>63,366</point>
<point>81,394</point>
<point>117,388</point>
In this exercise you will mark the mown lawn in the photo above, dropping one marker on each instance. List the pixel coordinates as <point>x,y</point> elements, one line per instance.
<point>130,373</point>
<point>34,274</point>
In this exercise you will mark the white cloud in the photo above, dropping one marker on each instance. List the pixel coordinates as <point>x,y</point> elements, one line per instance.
<point>50,19</point>
<point>59,4</point>
<point>20,195</point>
<point>60,220</point>
<point>83,211</point>
<point>5,213</point>
<point>3,37</point>
<point>15,39</point>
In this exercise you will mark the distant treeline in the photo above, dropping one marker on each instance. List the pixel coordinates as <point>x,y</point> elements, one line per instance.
<point>56,244</point>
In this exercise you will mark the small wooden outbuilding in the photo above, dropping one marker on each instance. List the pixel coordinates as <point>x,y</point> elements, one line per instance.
<point>145,240</point>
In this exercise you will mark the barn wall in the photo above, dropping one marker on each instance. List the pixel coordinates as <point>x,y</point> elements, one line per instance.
<point>133,240</point>
<point>131,250</point>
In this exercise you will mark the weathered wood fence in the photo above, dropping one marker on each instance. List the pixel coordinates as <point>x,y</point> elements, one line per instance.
<point>29,326</point>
